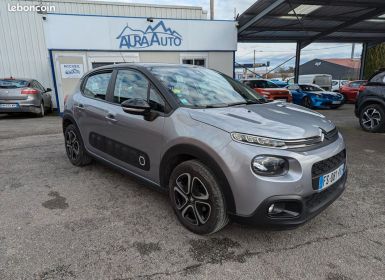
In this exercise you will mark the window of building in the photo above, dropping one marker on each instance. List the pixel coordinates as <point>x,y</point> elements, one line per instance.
<point>195,61</point>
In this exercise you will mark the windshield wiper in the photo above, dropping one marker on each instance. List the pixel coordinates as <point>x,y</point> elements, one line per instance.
<point>220,105</point>
<point>247,102</point>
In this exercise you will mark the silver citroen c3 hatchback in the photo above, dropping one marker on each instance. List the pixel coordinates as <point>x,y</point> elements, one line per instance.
<point>220,150</point>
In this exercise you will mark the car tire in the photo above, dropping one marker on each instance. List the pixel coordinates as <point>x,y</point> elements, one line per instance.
<point>372,118</point>
<point>75,150</point>
<point>306,102</point>
<point>197,199</point>
<point>41,112</point>
<point>50,109</point>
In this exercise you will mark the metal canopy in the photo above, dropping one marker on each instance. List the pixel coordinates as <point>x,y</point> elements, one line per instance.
<point>307,21</point>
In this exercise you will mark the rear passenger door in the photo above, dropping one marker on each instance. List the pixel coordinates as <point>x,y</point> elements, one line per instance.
<point>135,143</point>
<point>91,107</point>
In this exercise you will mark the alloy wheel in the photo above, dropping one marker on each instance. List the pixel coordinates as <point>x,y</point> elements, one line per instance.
<point>72,145</point>
<point>371,118</point>
<point>192,199</point>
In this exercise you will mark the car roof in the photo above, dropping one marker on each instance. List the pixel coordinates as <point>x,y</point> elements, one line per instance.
<point>254,79</point>
<point>19,79</point>
<point>146,65</point>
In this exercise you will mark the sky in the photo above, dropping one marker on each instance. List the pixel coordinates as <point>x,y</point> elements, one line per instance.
<point>276,53</point>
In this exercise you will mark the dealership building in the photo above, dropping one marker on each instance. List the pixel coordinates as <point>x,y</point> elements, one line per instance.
<point>57,44</point>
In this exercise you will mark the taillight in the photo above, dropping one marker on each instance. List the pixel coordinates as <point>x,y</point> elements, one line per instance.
<point>29,91</point>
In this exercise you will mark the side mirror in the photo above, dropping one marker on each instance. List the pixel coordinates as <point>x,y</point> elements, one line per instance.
<point>48,89</point>
<point>136,106</point>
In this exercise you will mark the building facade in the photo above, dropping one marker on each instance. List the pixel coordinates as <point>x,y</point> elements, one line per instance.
<point>340,69</point>
<point>57,47</point>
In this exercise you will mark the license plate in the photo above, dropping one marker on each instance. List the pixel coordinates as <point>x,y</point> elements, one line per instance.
<point>329,179</point>
<point>336,102</point>
<point>9,105</point>
<point>283,100</point>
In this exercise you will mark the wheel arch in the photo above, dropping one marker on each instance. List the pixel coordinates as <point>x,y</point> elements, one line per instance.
<point>67,120</point>
<point>183,152</point>
<point>370,101</point>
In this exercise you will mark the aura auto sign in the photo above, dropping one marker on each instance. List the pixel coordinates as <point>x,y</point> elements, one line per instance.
<point>74,32</point>
<point>157,35</point>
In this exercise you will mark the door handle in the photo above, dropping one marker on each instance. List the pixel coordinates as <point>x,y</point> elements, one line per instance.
<point>111,117</point>
<point>80,106</point>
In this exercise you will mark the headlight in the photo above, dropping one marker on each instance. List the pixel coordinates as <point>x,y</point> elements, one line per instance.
<point>270,165</point>
<point>263,141</point>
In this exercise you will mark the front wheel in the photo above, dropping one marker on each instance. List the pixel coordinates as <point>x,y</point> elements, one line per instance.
<point>372,118</point>
<point>197,198</point>
<point>306,102</point>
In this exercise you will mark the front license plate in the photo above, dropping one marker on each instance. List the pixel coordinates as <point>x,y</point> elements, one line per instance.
<point>336,102</point>
<point>9,105</point>
<point>330,178</point>
<point>283,100</point>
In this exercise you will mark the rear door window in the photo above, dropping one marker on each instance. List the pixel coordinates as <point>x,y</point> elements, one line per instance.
<point>379,78</point>
<point>96,85</point>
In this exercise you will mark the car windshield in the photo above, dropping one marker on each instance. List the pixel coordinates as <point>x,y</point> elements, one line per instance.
<point>10,83</point>
<point>311,88</point>
<point>201,87</point>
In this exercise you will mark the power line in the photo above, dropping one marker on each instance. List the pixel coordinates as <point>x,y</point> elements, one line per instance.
<point>309,50</point>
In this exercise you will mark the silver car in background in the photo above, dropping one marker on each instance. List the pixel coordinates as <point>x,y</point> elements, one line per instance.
<point>24,96</point>
<point>216,146</point>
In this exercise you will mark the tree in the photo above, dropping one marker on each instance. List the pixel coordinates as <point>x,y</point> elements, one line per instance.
<point>375,59</point>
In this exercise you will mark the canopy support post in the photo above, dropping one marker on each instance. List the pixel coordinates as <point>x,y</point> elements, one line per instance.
<point>363,59</point>
<point>297,62</point>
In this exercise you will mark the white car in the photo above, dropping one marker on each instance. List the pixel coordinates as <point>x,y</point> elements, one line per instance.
<point>337,84</point>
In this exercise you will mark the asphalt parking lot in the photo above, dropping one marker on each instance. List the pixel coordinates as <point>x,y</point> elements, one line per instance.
<point>58,221</point>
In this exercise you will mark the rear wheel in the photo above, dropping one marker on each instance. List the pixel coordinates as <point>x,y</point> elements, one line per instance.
<point>50,108</point>
<point>197,198</point>
<point>75,150</point>
<point>306,102</point>
<point>372,118</point>
<point>41,112</point>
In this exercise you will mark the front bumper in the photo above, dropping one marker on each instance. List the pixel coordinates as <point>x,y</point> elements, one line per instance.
<point>325,103</point>
<point>308,207</point>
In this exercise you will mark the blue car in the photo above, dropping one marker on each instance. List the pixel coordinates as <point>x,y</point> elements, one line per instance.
<point>279,83</point>
<point>312,96</point>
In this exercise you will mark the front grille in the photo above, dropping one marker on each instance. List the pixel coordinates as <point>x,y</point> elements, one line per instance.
<point>328,165</point>
<point>317,200</point>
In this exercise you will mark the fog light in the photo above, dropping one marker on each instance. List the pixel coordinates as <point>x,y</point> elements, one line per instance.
<point>270,165</point>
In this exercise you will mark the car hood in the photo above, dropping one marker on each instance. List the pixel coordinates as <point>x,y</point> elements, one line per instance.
<point>325,93</point>
<point>276,120</point>
<point>275,90</point>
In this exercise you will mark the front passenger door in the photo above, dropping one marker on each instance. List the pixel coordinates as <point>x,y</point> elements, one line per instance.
<point>137,142</point>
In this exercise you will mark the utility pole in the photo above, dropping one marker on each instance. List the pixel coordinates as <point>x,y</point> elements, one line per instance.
<point>212,9</point>
<point>353,50</point>
<point>254,61</point>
